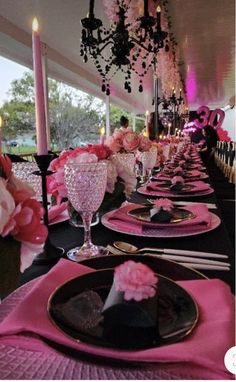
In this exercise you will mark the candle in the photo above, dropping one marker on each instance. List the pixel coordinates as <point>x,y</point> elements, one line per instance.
<point>102,135</point>
<point>91,8</point>
<point>169,126</point>
<point>41,132</point>
<point>1,123</point>
<point>145,8</point>
<point>158,15</point>
<point>146,122</point>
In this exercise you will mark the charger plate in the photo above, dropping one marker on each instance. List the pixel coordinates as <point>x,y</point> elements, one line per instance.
<point>123,227</point>
<point>177,314</point>
<point>142,190</point>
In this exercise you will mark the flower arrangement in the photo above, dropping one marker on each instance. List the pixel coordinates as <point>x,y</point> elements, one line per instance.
<point>90,153</point>
<point>136,280</point>
<point>20,214</point>
<point>163,203</point>
<point>127,141</point>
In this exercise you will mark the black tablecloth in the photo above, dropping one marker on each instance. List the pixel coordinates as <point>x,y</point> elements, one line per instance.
<point>217,241</point>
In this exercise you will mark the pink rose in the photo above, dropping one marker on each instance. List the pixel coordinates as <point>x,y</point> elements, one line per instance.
<point>145,144</point>
<point>136,280</point>
<point>165,204</point>
<point>101,151</point>
<point>5,166</point>
<point>131,141</point>
<point>178,170</point>
<point>83,158</point>
<point>7,205</point>
<point>114,144</point>
<point>119,134</point>
<point>177,179</point>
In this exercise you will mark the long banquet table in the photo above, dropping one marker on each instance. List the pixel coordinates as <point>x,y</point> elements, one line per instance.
<point>216,241</point>
<point>42,361</point>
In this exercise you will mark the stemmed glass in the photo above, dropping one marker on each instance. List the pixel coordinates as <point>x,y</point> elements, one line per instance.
<point>86,185</point>
<point>148,159</point>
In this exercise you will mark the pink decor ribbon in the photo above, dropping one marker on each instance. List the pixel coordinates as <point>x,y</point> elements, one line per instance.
<point>204,347</point>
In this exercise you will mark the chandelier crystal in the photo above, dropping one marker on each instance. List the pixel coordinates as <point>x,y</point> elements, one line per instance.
<point>123,47</point>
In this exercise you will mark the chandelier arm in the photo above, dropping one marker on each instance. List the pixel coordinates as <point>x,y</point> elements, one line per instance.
<point>103,47</point>
<point>139,44</point>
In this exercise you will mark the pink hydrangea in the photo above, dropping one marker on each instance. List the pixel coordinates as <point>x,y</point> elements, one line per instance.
<point>165,204</point>
<point>136,280</point>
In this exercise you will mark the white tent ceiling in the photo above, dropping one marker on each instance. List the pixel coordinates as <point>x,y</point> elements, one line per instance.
<point>203,29</point>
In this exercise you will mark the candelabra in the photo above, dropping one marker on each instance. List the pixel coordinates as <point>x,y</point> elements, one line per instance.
<point>51,254</point>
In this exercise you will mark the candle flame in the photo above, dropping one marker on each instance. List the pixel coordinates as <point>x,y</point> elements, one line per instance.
<point>35,24</point>
<point>1,121</point>
<point>158,9</point>
<point>147,113</point>
<point>145,133</point>
<point>180,90</point>
<point>102,130</point>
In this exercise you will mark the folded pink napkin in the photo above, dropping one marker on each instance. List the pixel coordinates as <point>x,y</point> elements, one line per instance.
<point>204,347</point>
<point>198,186</point>
<point>56,210</point>
<point>200,212</point>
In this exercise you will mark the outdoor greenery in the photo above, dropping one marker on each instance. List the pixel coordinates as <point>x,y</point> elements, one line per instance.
<point>74,118</point>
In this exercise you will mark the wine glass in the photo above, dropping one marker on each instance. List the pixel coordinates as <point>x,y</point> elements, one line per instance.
<point>86,186</point>
<point>148,159</point>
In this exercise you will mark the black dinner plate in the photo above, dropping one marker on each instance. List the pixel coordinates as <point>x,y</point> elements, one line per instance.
<point>178,215</point>
<point>177,313</point>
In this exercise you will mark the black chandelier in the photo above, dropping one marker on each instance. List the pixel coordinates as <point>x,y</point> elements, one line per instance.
<point>128,45</point>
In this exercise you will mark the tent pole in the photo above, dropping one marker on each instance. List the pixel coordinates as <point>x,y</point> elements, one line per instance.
<point>108,128</point>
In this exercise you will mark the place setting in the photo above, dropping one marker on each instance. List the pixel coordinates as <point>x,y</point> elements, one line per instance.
<point>162,219</point>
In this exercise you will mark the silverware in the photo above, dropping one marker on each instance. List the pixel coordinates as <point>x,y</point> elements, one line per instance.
<point>186,261</point>
<point>130,248</point>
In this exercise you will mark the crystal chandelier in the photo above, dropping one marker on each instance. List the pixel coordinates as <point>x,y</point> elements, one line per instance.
<point>123,47</point>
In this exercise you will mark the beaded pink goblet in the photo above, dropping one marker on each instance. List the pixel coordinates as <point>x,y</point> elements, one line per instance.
<point>86,185</point>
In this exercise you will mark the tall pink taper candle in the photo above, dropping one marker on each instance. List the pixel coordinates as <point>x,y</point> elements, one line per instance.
<point>41,132</point>
<point>1,124</point>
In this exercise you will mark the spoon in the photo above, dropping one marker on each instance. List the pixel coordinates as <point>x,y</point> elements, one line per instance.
<point>130,248</point>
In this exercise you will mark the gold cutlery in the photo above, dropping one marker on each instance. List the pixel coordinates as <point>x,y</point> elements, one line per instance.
<point>130,248</point>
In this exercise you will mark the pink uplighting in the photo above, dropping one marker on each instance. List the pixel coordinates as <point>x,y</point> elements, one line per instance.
<point>191,85</point>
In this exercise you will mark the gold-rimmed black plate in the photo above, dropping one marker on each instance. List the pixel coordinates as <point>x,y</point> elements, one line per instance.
<point>177,313</point>
<point>178,215</point>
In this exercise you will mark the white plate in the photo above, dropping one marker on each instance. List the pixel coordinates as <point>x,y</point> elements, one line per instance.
<point>163,232</point>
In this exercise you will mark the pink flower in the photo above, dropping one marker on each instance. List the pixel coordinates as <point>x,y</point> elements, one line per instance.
<point>25,223</point>
<point>101,151</point>
<point>145,144</point>
<point>136,280</point>
<point>5,166</point>
<point>165,204</point>
<point>114,144</point>
<point>7,205</point>
<point>83,158</point>
<point>178,170</point>
<point>131,141</point>
<point>177,179</point>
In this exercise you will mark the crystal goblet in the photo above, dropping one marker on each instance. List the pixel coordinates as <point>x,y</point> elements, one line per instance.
<point>148,159</point>
<point>86,186</point>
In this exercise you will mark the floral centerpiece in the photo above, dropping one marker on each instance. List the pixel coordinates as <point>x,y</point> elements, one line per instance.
<point>22,233</point>
<point>120,180</point>
<point>127,141</point>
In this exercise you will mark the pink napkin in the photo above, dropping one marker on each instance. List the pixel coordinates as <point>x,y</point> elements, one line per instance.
<point>194,173</point>
<point>204,347</point>
<point>120,216</point>
<point>55,211</point>
<point>198,186</point>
